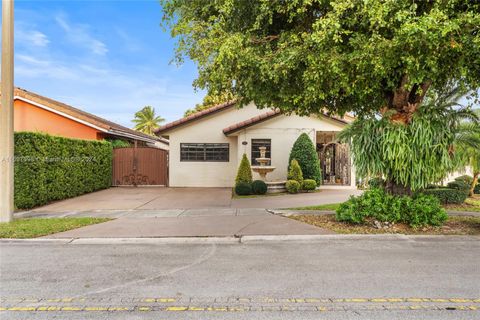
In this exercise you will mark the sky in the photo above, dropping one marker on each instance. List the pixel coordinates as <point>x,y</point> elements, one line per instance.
<point>109,58</point>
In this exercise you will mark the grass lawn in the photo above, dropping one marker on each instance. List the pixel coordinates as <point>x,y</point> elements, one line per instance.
<point>471,204</point>
<point>32,228</point>
<point>453,226</point>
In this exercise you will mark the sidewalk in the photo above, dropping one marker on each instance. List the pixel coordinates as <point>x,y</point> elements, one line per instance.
<point>189,223</point>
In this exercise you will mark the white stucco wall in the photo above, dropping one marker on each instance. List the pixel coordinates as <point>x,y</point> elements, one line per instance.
<point>282,130</point>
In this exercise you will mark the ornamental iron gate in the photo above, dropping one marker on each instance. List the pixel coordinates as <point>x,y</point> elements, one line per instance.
<point>140,166</point>
<point>335,163</point>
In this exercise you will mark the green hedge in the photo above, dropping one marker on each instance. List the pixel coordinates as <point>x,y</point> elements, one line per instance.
<point>447,195</point>
<point>49,168</point>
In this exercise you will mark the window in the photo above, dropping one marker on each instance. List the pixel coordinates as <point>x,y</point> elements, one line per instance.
<point>204,152</point>
<point>256,153</point>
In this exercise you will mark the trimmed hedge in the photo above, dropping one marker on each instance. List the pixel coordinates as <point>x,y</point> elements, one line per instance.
<point>292,186</point>
<point>49,168</point>
<point>305,153</point>
<point>243,188</point>
<point>459,185</point>
<point>295,172</point>
<point>259,187</point>
<point>447,195</point>
<point>309,185</point>
<point>244,173</point>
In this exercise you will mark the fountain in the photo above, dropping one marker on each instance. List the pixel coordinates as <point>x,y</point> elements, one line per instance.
<point>263,169</point>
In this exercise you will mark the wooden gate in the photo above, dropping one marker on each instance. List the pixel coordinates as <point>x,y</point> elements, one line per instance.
<point>140,166</point>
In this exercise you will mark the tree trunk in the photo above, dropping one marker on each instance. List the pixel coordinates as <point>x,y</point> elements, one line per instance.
<point>474,183</point>
<point>396,189</point>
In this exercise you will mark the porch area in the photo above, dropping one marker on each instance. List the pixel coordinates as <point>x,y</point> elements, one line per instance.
<point>335,160</point>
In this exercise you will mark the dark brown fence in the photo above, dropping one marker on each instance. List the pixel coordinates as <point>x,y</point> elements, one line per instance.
<point>140,166</point>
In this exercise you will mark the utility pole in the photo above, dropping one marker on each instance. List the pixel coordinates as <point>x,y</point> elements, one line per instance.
<point>6,115</point>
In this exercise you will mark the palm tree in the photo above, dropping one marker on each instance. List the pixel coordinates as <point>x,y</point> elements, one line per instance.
<point>146,121</point>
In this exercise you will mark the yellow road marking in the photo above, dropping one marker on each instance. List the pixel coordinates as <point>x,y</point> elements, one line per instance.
<point>176,308</point>
<point>95,309</point>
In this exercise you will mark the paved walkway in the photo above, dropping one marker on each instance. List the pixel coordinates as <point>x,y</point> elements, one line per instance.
<point>160,198</point>
<point>193,223</point>
<point>184,212</point>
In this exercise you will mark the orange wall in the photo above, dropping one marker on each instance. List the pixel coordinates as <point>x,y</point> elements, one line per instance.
<point>29,117</point>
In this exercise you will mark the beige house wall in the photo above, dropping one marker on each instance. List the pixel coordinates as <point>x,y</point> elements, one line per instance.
<point>282,130</point>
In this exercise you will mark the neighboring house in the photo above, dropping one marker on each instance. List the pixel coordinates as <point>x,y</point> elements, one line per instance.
<point>206,147</point>
<point>33,112</point>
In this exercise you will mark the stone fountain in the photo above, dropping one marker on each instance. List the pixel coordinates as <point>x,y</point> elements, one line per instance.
<point>263,169</point>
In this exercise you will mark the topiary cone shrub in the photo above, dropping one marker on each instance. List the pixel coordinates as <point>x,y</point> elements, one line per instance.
<point>244,173</point>
<point>305,153</point>
<point>295,172</point>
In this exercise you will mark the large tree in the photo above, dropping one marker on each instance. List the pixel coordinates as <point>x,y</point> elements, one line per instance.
<point>146,120</point>
<point>378,58</point>
<point>345,55</point>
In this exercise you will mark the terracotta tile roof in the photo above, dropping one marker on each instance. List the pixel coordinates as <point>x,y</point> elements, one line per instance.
<point>112,128</point>
<point>263,117</point>
<point>250,122</point>
<point>195,116</point>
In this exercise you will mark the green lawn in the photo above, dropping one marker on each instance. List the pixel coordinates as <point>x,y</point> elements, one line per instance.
<point>32,228</point>
<point>471,204</point>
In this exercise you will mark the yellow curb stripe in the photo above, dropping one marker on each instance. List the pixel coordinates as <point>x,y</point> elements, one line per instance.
<point>22,309</point>
<point>176,308</point>
<point>95,309</point>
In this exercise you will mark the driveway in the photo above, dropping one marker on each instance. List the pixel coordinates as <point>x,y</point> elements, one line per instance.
<point>161,198</point>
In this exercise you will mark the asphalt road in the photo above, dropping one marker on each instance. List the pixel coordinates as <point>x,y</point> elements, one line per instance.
<point>411,278</point>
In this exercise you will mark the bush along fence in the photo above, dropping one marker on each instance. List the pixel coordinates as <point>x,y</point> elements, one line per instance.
<point>49,168</point>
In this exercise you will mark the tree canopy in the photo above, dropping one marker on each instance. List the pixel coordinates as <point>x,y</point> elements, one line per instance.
<point>344,55</point>
<point>211,99</point>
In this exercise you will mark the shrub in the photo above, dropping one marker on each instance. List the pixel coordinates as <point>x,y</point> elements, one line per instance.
<point>477,187</point>
<point>376,183</point>
<point>459,185</point>
<point>465,178</point>
<point>309,185</point>
<point>425,210</point>
<point>447,195</point>
<point>295,172</point>
<point>292,186</point>
<point>49,168</point>
<point>243,188</point>
<point>259,187</point>
<point>118,143</point>
<point>377,204</point>
<point>305,153</point>
<point>244,173</point>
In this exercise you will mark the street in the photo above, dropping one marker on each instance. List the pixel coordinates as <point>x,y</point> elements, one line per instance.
<point>344,278</point>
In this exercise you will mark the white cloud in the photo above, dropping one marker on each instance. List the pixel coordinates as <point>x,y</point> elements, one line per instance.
<point>79,35</point>
<point>28,35</point>
<point>32,38</point>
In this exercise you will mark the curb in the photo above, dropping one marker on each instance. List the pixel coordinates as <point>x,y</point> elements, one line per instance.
<point>243,239</point>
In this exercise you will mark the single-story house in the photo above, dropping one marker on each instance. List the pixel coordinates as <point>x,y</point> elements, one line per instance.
<point>206,147</point>
<point>36,113</point>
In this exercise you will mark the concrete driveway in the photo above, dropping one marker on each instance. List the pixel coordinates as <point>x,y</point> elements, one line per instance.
<point>161,198</point>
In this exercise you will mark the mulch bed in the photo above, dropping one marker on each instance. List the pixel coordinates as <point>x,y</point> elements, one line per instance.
<point>461,225</point>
